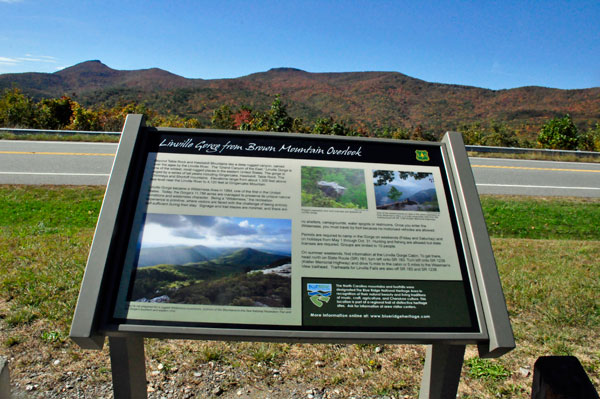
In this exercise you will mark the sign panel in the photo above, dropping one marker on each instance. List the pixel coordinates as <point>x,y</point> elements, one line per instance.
<point>287,237</point>
<point>288,232</point>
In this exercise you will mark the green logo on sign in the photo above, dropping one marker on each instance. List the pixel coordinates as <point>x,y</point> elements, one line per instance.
<point>422,155</point>
<point>319,293</point>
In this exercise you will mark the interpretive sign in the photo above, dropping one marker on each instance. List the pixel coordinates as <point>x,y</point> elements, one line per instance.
<point>289,233</point>
<point>270,236</point>
<point>283,235</point>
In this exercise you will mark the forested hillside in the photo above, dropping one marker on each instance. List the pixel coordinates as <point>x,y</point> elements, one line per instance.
<point>240,277</point>
<point>387,104</point>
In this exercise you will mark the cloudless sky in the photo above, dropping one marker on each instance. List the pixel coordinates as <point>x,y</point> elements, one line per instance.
<point>490,44</point>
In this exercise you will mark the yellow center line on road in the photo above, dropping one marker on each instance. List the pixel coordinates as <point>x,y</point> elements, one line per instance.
<point>57,153</point>
<point>528,168</point>
<point>112,155</point>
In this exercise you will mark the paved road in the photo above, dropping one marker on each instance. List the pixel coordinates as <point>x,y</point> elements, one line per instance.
<point>542,178</point>
<point>41,162</point>
<point>35,162</point>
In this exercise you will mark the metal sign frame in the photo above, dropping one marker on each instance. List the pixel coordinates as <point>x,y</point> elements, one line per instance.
<point>94,315</point>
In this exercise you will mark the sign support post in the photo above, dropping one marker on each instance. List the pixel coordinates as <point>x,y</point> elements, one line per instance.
<point>128,365</point>
<point>441,373</point>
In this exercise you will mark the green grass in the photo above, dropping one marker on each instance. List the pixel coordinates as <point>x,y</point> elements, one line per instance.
<point>483,368</point>
<point>542,218</point>
<point>49,210</point>
<point>547,251</point>
<point>41,209</point>
<point>45,233</point>
<point>563,280</point>
<point>551,289</point>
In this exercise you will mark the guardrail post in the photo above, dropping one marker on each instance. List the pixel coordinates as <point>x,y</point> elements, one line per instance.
<point>128,364</point>
<point>441,374</point>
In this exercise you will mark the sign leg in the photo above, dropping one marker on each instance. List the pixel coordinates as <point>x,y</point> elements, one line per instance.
<point>128,364</point>
<point>441,374</point>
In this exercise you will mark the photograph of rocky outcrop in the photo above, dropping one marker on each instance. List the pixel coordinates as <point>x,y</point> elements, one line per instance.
<point>208,260</point>
<point>333,187</point>
<point>405,191</point>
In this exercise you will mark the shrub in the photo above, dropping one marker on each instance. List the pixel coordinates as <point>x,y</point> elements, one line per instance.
<point>559,134</point>
<point>590,140</point>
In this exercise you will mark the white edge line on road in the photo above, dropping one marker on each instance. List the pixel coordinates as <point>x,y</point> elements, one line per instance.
<point>528,186</point>
<point>54,174</point>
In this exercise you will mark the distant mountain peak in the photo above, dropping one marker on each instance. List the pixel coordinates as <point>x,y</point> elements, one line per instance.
<point>248,251</point>
<point>94,66</point>
<point>285,69</point>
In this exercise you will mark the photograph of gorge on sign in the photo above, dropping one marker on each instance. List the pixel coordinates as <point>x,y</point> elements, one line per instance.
<point>333,187</point>
<point>405,191</point>
<point>208,260</point>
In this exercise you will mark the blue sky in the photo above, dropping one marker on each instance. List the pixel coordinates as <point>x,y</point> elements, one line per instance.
<point>411,183</point>
<point>218,231</point>
<point>491,44</point>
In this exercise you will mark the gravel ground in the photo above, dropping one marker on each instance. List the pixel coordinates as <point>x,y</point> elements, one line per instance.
<point>211,381</point>
<point>179,369</point>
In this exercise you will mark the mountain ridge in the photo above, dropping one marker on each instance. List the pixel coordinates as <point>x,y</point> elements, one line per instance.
<point>370,99</point>
<point>179,254</point>
<point>161,279</point>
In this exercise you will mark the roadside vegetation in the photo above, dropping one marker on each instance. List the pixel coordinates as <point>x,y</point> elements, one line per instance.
<point>20,111</point>
<point>547,252</point>
<point>90,138</point>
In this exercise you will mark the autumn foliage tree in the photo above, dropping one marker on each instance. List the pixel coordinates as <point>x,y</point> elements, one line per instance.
<point>590,140</point>
<point>223,118</point>
<point>17,110</point>
<point>20,111</point>
<point>55,113</point>
<point>559,134</point>
<point>500,135</point>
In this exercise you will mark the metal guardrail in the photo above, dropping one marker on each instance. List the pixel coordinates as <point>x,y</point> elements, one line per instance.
<point>45,131</point>
<point>472,148</point>
<point>537,151</point>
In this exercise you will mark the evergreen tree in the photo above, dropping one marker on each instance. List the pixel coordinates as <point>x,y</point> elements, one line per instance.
<point>223,118</point>
<point>394,194</point>
<point>279,120</point>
